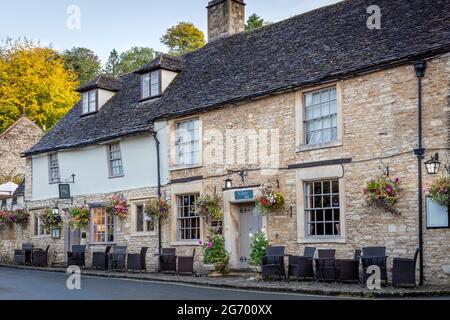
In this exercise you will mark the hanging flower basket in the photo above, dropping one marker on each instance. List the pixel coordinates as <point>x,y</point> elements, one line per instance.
<point>157,209</point>
<point>269,200</point>
<point>19,217</point>
<point>117,206</point>
<point>382,191</point>
<point>438,191</point>
<point>79,217</point>
<point>51,220</point>
<point>208,206</point>
<point>4,220</point>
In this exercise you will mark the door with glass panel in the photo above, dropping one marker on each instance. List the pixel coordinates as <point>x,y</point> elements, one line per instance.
<point>249,224</point>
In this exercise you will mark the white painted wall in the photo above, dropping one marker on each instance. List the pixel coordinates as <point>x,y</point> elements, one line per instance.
<point>90,166</point>
<point>166,78</point>
<point>104,96</point>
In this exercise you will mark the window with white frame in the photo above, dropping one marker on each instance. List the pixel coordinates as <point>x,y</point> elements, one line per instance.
<point>89,99</point>
<point>320,116</point>
<point>187,142</point>
<point>102,226</point>
<point>151,84</point>
<point>38,226</point>
<point>143,224</point>
<point>115,160</point>
<point>188,221</point>
<point>322,208</point>
<point>53,168</point>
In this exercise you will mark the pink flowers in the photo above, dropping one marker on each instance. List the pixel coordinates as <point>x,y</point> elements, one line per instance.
<point>210,244</point>
<point>117,206</point>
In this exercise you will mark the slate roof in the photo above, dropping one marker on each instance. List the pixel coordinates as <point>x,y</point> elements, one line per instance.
<point>164,61</point>
<point>102,82</point>
<point>20,191</point>
<point>321,45</point>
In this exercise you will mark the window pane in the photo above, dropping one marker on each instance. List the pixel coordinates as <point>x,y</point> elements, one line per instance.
<point>155,83</point>
<point>188,221</point>
<point>187,142</point>
<point>85,102</point>
<point>139,218</point>
<point>145,85</point>
<point>115,160</point>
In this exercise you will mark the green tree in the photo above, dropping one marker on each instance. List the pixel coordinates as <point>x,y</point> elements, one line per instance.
<point>134,59</point>
<point>111,64</point>
<point>35,83</point>
<point>254,22</point>
<point>183,38</point>
<point>84,62</point>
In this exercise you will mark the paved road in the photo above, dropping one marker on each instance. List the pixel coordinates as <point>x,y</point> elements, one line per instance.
<point>39,285</point>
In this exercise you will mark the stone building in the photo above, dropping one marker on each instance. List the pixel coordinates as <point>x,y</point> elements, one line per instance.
<point>14,141</point>
<point>313,106</point>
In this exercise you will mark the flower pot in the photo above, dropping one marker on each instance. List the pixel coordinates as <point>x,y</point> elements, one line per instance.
<point>209,268</point>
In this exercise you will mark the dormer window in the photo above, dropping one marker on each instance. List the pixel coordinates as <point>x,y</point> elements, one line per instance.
<point>151,84</point>
<point>90,101</point>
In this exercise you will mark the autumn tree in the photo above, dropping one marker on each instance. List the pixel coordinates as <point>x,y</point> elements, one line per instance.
<point>254,22</point>
<point>84,62</point>
<point>35,83</point>
<point>183,38</point>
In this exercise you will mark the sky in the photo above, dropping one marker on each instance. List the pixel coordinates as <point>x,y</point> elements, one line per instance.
<point>111,24</point>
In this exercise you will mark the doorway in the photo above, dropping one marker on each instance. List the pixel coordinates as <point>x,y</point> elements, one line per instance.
<point>249,224</point>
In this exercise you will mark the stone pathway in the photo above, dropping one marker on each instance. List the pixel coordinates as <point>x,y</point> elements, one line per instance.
<point>250,282</point>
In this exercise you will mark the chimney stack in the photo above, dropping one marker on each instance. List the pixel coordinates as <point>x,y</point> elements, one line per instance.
<point>225,17</point>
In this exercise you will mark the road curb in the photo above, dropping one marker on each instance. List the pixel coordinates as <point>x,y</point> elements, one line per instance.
<point>412,293</point>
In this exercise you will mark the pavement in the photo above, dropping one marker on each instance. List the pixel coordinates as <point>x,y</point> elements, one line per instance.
<point>239,282</point>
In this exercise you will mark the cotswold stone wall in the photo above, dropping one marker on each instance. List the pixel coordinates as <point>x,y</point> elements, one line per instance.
<point>378,121</point>
<point>13,142</point>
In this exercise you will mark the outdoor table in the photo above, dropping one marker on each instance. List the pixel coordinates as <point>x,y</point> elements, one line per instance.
<point>323,265</point>
<point>347,269</point>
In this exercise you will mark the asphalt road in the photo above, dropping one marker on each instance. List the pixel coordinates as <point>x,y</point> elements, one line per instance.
<point>17,284</point>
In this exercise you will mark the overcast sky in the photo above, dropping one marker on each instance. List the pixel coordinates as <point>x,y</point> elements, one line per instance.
<point>108,24</point>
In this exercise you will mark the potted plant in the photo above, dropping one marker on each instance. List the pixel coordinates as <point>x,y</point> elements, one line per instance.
<point>4,220</point>
<point>157,209</point>
<point>208,206</point>
<point>268,201</point>
<point>438,191</point>
<point>382,191</point>
<point>258,249</point>
<point>79,217</point>
<point>19,217</point>
<point>214,253</point>
<point>117,206</point>
<point>51,220</point>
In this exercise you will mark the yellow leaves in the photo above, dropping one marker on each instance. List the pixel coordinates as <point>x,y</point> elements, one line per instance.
<point>33,82</point>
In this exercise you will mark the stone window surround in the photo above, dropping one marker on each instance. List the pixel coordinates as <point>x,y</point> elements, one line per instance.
<point>319,173</point>
<point>180,189</point>
<point>173,166</point>
<point>91,229</point>
<point>299,118</point>
<point>133,204</point>
<point>34,216</point>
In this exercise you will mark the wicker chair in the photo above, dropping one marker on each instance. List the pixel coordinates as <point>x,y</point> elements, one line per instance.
<point>374,256</point>
<point>273,262</point>
<point>136,261</point>
<point>302,266</point>
<point>24,255</point>
<point>186,264</point>
<point>40,257</point>
<point>76,257</point>
<point>100,259</point>
<point>326,265</point>
<point>348,269</point>
<point>404,271</point>
<point>168,260</point>
<point>118,258</point>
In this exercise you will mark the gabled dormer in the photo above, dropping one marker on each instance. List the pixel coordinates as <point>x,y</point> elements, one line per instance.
<point>97,92</point>
<point>158,74</point>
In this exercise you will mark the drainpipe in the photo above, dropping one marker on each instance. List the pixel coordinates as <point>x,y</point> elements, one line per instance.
<point>158,164</point>
<point>420,67</point>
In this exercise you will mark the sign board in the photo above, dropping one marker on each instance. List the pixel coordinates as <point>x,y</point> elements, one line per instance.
<point>64,191</point>
<point>437,216</point>
<point>243,195</point>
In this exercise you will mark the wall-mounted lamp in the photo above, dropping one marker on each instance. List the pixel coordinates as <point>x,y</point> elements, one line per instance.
<point>228,183</point>
<point>433,164</point>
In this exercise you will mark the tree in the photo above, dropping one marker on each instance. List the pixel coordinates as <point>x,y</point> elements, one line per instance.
<point>84,62</point>
<point>111,64</point>
<point>183,38</point>
<point>35,83</point>
<point>254,22</point>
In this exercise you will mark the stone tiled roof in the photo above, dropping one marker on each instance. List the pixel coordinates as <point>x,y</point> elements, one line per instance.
<point>164,61</point>
<point>20,191</point>
<point>102,82</point>
<point>325,44</point>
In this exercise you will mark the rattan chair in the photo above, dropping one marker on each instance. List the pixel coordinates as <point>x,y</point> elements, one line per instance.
<point>404,271</point>
<point>40,257</point>
<point>137,261</point>
<point>76,257</point>
<point>374,256</point>
<point>168,260</point>
<point>23,256</point>
<point>186,264</point>
<point>347,270</point>
<point>100,259</point>
<point>273,262</point>
<point>326,265</point>
<point>117,258</point>
<point>302,266</point>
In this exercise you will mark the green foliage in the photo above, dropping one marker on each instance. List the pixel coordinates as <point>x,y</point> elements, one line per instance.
<point>383,191</point>
<point>79,217</point>
<point>268,201</point>
<point>50,220</point>
<point>254,22</point>
<point>258,248</point>
<point>157,208</point>
<point>11,177</point>
<point>183,38</point>
<point>84,62</point>
<point>208,206</point>
<point>129,61</point>
<point>34,82</point>
<point>438,191</point>
<point>214,253</point>
<point>111,64</point>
